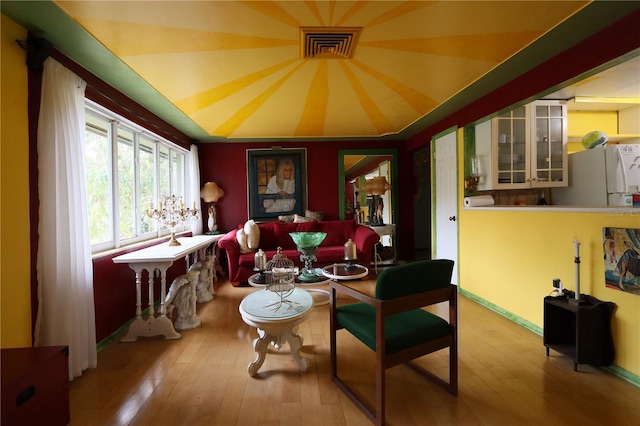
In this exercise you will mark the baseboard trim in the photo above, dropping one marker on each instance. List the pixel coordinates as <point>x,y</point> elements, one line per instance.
<point>624,374</point>
<point>116,335</point>
<point>613,369</point>
<point>518,320</point>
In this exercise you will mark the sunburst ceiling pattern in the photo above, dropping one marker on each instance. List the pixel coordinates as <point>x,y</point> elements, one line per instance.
<point>234,68</point>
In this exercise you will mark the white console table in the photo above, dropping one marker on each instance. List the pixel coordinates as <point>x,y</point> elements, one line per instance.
<point>159,257</point>
<point>384,230</point>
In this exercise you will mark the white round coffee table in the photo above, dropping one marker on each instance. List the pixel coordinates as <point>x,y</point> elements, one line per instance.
<point>276,321</point>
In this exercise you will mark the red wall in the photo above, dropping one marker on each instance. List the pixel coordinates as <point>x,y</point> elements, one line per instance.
<point>226,164</point>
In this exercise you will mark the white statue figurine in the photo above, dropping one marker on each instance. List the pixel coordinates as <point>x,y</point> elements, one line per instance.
<point>205,291</point>
<point>182,295</point>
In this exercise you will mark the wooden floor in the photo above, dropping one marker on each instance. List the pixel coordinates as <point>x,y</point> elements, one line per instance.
<point>201,379</point>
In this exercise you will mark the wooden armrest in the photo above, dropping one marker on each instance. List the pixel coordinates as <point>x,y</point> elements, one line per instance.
<point>365,298</point>
<point>419,300</point>
<point>400,304</point>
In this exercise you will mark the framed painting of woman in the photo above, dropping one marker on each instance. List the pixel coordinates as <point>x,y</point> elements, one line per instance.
<point>277,182</point>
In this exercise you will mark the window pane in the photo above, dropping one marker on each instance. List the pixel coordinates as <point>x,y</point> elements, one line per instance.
<point>147,160</point>
<point>97,163</point>
<point>177,169</point>
<point>164,172</point>
<point>126,183</point>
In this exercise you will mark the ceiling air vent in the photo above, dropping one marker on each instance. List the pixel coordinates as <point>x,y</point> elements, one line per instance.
<point>328,42</point>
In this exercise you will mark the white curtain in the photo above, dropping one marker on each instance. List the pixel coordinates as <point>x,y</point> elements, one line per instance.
<point>66,314</point>
<point>194,188</point>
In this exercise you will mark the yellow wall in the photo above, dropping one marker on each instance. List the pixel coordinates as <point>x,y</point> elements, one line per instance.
<point>579,123</point>
<point>15,294</point>
<point>509,258</point>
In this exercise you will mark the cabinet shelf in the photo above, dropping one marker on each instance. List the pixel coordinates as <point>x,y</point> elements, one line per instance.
<point>581,332</point>
<point>525,148</point>
<point>568,350</point>
<point>611,138</point>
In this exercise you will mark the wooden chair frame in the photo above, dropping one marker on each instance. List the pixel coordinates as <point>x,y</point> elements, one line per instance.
<point>384,361</point>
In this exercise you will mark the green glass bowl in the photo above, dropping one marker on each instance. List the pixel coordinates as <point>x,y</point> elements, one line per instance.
<point>307,240</point>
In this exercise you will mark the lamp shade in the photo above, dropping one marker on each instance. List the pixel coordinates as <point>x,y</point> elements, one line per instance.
<point>211,192</point>
<point>377,185</point>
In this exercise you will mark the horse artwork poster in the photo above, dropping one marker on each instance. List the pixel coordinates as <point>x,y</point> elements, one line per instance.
<point>622,259</point>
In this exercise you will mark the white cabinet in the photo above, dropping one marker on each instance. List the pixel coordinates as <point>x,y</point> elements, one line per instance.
<point>524,148</point>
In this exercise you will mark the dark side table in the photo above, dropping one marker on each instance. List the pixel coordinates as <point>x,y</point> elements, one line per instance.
<point>35,386</point>
<point>580,331</point>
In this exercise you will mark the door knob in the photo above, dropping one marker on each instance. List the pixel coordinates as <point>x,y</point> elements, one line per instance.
<point>452,218</point>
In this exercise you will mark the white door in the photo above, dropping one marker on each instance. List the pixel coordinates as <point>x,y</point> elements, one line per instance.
<point>446,220</point>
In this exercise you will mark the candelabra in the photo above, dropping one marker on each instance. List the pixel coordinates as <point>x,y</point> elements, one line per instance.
<point>171,213</point>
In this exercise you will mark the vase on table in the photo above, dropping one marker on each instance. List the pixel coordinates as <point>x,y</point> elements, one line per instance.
<point>307,244</point>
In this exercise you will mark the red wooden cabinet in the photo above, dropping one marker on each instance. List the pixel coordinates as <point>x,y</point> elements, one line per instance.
<point>35,386</point>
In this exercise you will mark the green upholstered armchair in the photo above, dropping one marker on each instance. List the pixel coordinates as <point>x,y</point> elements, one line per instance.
<point>394,326</point>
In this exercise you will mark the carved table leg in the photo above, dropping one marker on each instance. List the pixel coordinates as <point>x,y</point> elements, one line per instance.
<point>260,347</point>
<point>295,343</point>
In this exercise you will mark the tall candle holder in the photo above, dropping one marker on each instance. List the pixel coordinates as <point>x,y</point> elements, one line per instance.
<point>171,213</point>
<point>577,299</point>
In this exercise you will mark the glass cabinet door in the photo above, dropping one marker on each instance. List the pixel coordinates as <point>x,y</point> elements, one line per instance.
<point>511,149</point>
<point>524,148</point>
<point>548,145</point>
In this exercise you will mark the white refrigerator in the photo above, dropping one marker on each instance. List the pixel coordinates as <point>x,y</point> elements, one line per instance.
<point>602,176</point>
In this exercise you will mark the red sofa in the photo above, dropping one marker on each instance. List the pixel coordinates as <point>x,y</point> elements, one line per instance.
<point>276,234</point>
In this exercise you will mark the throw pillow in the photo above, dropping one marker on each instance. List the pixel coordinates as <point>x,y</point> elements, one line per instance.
<point>288,218</point>
<point>319,216</point>
<point>253,234</point>
<point>298,219</point>
<point>242,241</point>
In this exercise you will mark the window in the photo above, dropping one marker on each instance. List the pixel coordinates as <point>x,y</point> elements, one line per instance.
<point>127,169</point>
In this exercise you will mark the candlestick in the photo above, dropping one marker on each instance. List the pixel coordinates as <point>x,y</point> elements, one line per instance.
<point>576,245</point>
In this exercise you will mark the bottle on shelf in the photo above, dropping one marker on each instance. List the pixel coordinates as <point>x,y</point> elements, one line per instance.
<point>542,201</point>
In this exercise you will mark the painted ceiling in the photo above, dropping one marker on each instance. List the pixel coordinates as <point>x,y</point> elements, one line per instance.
<point>233,71</point>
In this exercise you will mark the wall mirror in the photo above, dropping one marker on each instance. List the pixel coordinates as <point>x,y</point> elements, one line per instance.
<point>359,197</point>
